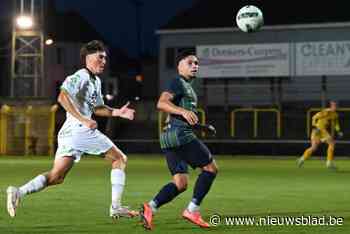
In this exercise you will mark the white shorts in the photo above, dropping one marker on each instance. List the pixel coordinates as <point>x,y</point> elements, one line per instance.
<point>74,140</point>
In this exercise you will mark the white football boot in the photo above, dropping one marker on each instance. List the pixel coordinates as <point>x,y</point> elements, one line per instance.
<point>13,200</point>
<point>300,162</point>
<point>331,165</point>
<point>122,211</point>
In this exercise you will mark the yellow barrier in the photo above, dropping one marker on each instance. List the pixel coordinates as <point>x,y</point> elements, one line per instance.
<point>24,130</point>
<point>308,118</point>
<point>255,119</point>
<point>12,128</point>
<point>162,120</point>
<point>3,128</point>
<point>51,130</point>
<point>28,137</point>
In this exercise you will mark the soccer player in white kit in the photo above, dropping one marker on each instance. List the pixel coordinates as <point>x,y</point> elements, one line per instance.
<point>81,96</point>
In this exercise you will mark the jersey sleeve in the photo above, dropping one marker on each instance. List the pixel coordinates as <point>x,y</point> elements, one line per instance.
<point>72,84</point>
<point>175,87</point>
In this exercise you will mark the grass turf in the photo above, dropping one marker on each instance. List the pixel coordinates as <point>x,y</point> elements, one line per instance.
<point>245,186</point>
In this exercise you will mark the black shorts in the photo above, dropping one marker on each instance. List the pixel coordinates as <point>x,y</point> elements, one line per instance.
<point>195,153</point>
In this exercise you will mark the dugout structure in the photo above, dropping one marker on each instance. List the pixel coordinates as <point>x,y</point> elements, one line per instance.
<point>255,112</point>
<point>27,130</point>
<point>163,116</point>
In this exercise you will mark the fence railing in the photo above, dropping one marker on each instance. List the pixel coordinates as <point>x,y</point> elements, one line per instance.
<point>255,112</point>
<point>27,130</point>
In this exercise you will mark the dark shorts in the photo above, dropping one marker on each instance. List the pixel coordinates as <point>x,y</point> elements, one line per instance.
<point>194,153</point>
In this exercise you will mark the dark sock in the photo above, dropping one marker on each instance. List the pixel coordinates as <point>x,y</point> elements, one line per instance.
<point>166,194</point>
<point>202,187</point>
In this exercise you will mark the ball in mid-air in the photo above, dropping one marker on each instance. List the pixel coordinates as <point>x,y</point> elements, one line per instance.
<point>249,18</point>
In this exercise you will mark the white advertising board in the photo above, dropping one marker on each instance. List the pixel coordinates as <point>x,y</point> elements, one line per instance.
<point>250,60</point>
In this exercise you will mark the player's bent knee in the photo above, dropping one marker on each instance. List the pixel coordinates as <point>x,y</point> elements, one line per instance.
<point>314,148</point>
<point>211,168</point>
<point>119,163</point>
<point>181,183</point>
<point>122,164</point>
<point>181,186</point>
<point>119,159</point>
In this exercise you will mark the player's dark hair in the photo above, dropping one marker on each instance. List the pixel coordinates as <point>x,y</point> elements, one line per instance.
<point>90,48</point>
<point>184,54</point>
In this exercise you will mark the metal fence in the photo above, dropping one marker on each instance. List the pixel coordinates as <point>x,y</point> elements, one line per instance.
<point>26,130</point>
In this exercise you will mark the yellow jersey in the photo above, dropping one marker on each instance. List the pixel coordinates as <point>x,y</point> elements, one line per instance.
<point>325,119</point>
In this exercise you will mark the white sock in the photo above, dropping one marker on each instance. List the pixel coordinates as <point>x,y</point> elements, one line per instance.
<point>153,205</point>
<point>35,185</point>
<point>192,207</point>
<point>118,182</point>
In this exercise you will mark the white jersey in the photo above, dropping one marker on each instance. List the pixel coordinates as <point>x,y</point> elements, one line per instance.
<point>74,138</point>
<point>84,91</point>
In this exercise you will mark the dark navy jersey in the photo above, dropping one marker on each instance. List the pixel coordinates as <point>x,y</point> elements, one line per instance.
<point>178,131</point>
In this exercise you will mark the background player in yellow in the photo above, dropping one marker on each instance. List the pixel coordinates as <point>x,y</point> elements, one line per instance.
<point>322,123</point>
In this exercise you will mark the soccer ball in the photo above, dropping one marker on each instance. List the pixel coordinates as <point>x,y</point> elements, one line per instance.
<point>249,18</point>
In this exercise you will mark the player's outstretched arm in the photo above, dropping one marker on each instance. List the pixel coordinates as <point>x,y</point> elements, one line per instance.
<point>340,134</point>
<point>124,112</point>
<point>104,111</point>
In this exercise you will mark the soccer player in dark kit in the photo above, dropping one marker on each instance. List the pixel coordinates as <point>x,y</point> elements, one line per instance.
<point>181,146</point>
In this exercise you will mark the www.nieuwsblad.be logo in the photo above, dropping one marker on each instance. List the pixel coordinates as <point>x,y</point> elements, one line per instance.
<point>217,219</point>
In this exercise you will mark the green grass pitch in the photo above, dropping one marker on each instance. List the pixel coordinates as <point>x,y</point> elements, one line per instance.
<point>245,186</point>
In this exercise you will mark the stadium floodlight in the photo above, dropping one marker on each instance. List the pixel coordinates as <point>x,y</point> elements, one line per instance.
<point>49,41</point>
<point>24,22</point>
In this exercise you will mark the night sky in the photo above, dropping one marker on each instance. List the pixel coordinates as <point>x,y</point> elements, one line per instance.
<point>116,19</point>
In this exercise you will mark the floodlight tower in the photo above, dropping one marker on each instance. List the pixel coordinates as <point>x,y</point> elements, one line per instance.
<point>27,61</point>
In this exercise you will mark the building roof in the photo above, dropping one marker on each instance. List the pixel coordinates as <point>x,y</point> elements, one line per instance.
<point>211,14</point>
